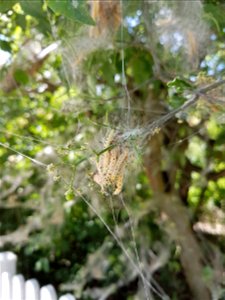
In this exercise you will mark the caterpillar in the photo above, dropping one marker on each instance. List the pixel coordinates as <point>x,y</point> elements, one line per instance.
<point>111,165</point>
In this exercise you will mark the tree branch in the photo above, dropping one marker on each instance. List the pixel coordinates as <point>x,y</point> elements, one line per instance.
<point>21,235</point>
<point>155,126</point>
<point>9,83</point>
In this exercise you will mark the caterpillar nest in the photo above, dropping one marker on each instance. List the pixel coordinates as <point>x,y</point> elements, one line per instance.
<point>111,165</point>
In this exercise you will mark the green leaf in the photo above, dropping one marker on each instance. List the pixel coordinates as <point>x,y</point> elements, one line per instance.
<point>141,67</point>
<point>74,10</point>
<point>207,273</point>
<point>176,101</point>
<point>42,265</point>
<point>69,194</point>
<point>6,5</point>
<point>34,9</point>
<point>21,21</point>
<point>213,129</point>
<point>179,84</point>
<point>215,15</point>
<point>5,46</point>
<point>21,77</point>
<point>176,88</point>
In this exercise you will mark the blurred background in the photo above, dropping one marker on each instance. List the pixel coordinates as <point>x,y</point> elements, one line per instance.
<point>112,146</point>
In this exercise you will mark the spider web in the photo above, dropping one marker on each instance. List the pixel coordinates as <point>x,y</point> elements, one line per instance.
<point>158,122</point>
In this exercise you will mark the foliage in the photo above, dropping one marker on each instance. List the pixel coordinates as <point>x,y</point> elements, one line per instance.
<point>72,72</point>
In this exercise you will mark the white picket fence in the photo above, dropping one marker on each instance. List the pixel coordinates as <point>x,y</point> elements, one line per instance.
<point>14,287</point>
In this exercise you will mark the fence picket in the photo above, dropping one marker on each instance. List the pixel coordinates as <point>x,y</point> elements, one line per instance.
<point>5,292</point>
<point>32,290</point>
<point>8,262</point>
<point>14,287</point>
<point>48,293</point>
<point>18,287</point>
<point>67,297</point>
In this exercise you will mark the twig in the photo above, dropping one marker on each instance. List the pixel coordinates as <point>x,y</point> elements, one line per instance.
<point>158,124</point>
<point>25,156</point>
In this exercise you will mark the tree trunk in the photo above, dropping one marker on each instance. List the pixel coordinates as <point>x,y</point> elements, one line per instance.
<point>170,204</point>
